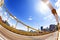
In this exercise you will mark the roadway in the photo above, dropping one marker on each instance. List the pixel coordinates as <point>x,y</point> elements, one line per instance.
<point>8,35</point>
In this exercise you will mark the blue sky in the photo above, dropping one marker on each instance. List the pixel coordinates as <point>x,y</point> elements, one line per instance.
<point>32,12</point>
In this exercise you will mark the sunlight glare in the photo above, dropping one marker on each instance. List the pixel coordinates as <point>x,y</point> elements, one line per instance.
<point>41,7</point>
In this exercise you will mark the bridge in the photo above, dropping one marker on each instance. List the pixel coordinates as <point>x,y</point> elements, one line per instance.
<point>10,33</point>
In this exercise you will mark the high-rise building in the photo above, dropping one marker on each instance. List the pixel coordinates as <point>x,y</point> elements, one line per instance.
<point>41,28</point>
<point>52,27</point>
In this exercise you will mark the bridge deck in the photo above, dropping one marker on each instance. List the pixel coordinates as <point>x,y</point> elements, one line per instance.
<point>13,36</point>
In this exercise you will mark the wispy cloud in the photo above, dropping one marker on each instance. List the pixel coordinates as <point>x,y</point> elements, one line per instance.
<point>30,18</point>
<point>0,8</point>
<point>57,4</point>
<point>48,17</point>
<point>5,13</point>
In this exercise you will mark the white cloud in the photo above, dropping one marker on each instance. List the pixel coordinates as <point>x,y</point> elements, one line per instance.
<point>5,13</point>
<point>48,17</point>
<point>6,16</point>
<point>29,18</point>
<point>57,3</point>
<point>0,8</point>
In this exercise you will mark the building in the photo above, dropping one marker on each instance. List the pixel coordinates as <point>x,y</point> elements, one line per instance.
<point>52,27</point>
<point>41,28</point>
